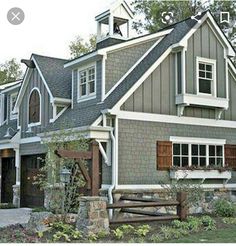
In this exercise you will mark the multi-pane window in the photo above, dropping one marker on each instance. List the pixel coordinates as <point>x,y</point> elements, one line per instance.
<point>205,77</point>
<point>87,82</point>
<point>198,155</point>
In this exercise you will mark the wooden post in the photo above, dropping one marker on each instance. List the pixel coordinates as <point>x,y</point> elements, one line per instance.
<point>95,169</point>
<point>182,207</point>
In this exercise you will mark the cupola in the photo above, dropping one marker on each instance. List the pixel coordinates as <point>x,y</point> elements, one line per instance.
<point>115,23</point>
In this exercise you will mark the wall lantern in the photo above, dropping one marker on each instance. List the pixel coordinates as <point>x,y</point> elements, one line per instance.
<point>65,175</point>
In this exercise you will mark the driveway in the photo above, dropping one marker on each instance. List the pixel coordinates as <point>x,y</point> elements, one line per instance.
<point>14,216</point>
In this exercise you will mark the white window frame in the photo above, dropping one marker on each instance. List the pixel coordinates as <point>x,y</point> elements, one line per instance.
<point>91,95</point>
<point>198,141</point>
<point>213,84</point>
<point>12,114</point>
<point>40,108</point>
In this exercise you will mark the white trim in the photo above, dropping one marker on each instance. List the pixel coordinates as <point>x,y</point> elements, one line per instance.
<point>103,87</point>
<point>12,114</point>
<point>40,116</point>
<point>227,78</point>
<point>183,66</point>
<point>43,79</point>
<point>191,140</point>
<point>174,119</point>
<point>117,46</point>
<point>30,140</point>
<point>97,121</point>
<point>87,96</point>
<point>160,187</point>
<point>213,83</point>
<point>60,100</point>
<point>132,68</point>
<point>11,88</point>
<point>72,88</point>
<point>202,100</point>
<point>142,79</point>
<point>55,115</point>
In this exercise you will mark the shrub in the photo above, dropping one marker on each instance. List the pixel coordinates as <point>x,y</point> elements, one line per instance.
<point>142,231</point>
<point>6,206</point>
<point>208,223</point>
<point>194,223</point>
<point>224,208</point>
<point>229,221</point>
<point>118,233</point>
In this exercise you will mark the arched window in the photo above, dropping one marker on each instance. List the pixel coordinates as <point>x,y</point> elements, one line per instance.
<point>34,107</point>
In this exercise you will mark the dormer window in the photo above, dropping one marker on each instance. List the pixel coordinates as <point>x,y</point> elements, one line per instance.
<point>13,98</point>
<point>206,81</point>
<point>34,107</point>
<point>87,83</point>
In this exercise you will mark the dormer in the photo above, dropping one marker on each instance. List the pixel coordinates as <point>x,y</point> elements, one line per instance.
<point>115,23</point>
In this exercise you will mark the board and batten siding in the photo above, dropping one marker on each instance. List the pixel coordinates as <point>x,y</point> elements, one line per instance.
<point>204,43</point>
<point>35,80</point>
<point>157,93</point>
<point>120,61</point>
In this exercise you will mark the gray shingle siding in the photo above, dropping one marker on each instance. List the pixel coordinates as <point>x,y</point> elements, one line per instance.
<point>137,147</point>
<point>32,148</point>
<point>119,62</point>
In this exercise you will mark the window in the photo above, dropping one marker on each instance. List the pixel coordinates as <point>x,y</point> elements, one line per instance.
<point>5,108</point>
<point>206,76</point>
<point>198,155</point>
<point>87,82</point>
<point>179,72</point>
<point>13,98</point>
<point>34,107</point>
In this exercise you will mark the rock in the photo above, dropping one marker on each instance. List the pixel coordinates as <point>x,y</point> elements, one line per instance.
<point>38,221</point>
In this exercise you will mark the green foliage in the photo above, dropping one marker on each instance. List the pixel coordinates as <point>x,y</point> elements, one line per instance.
<point>118,233</point>
<point>127,228</point>
<point>208,223</point>
<point>64,232</point>
<point>92,237</point>
<point>142,230</point>
<point>224,208</point>
<point>10,71</point>
<point>194,223</point>
<point>229,220</point>
<point>156,238</point>
<point>6,206</point>
<point>80,47</point>
<point>39,209</point>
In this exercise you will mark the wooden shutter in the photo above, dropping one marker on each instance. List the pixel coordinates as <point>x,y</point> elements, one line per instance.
<point>164,155</point>
<point>34,107</point>
<point>230,156</point>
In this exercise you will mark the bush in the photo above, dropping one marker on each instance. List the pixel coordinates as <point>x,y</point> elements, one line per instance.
<point>208,223</point>
<point>6,206</point>
<point>229,221</point>
<point>224,208</point>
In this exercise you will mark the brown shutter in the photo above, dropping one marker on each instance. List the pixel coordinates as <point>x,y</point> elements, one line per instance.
<point>164,155</point>
<point>230,156</point>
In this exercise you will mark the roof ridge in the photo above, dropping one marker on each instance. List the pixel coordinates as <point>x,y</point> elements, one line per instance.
<point>51,57</point>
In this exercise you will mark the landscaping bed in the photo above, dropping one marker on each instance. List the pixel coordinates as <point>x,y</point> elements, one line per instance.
<point>214,230</point>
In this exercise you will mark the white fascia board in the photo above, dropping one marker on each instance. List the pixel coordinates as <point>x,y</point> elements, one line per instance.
<point>23,87</point>
<point>9,146</point>
<point>11,88</point>
<point>214,141</point>
<point>132,68</point>
<point>173,119</point>
<point>30,140</point>
<point>231,52</point>
<point>60,100</point>
<point>232,67</point>
<point>81,59</point>
<point>141,80</point>
<point>43,79</point>
<point>135,41</point>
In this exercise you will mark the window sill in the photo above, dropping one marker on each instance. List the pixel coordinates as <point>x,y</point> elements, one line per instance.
<point>202,100</point>
<point>34,124</point>
<point>200,174</point>
<point>86,98</point>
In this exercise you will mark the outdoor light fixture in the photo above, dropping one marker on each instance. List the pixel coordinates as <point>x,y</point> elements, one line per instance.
<point>65,175</point>
<point>8,134</point>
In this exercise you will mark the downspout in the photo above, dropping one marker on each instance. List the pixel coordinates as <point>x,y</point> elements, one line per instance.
<point>110,189</point>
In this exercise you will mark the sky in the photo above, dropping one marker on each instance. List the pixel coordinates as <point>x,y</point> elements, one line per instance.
<point>49,26</point>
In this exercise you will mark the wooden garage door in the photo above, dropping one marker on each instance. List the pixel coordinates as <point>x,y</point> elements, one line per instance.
<point>8,179</point>
<point>31,195</point>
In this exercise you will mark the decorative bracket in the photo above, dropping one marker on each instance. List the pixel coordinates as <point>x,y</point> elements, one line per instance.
<point>218,113</point>
<point>180,109</point>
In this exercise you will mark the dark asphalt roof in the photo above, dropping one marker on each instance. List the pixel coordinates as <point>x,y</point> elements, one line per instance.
<point>3,129</point>
<point>57,77</point>
<point>83,116</point>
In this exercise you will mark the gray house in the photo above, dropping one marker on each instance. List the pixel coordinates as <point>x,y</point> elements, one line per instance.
<point>160,106</point>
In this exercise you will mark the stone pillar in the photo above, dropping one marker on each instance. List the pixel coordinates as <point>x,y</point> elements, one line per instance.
<point>16,187</point>
<point>54,197</point>
<point>93,215</point>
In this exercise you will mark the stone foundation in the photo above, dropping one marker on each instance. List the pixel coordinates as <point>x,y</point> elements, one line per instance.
<point>93,215</point>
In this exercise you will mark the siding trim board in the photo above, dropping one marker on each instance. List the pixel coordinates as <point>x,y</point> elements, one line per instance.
<point>128,115</point>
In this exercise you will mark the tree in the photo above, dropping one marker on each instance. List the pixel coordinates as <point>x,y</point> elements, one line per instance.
<point>10,71</point>
<point>151,13</point>
<point>80,47</point>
